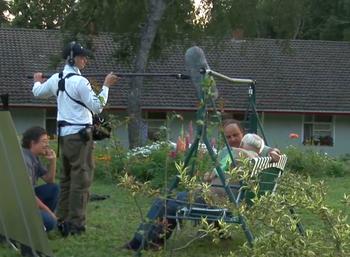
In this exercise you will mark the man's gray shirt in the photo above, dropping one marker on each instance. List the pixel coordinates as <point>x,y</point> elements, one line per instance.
<point>34,167</point>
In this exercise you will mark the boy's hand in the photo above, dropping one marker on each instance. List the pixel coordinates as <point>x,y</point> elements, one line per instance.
<point>50,154</point>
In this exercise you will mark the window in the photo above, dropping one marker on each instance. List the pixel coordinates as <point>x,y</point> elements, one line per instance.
<point>155,120</point>
<point>318,130</point>
<point>50,122</point>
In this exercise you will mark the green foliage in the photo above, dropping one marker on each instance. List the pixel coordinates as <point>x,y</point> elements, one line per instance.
<point>315,164</point>
<point>134,186</point>
<point>146,165</point>
<point>109,155</point>
<point>156,167</point>
<point>40,14</point>
<point>109,160</point>
<point>3,7</point>
<point>301,19</point>
<point>277,227</point>
<point>275,221</point>
<point>111,223</point>
<point>126,19</point>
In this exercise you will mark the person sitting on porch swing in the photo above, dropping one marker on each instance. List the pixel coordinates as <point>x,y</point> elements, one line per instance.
<point>252,142</point>
<point>153,234</point>
<point>234,133</point>
<point>249,145</point>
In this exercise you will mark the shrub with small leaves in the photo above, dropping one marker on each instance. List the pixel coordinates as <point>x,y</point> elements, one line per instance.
<point>315,164</point>
<point>276,219</point>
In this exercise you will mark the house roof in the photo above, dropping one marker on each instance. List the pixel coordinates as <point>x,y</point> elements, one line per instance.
<point>292,76</point>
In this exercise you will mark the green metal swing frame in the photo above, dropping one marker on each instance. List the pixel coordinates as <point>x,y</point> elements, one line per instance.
<point>270,174</point>
<point>267,172</point>
<point>201,135</point>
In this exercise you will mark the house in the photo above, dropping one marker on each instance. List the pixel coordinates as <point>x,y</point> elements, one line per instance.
<point>303,87</point>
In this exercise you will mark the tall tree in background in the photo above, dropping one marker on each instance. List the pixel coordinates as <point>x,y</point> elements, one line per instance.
<point>40,14</point>
<point>328,20</point>
<point>285,19</point>
<point>3,8</point>
<point>156,10</point>
<point>152,24</point>
<point>257,18</point>
<point>142,28</point>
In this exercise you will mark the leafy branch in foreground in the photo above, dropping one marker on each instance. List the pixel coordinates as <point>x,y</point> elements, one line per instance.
<point>131,184</point>
<point>275,219</point>
<point>276,225</point>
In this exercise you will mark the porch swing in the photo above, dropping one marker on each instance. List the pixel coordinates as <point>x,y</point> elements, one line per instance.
<point>267,171</point>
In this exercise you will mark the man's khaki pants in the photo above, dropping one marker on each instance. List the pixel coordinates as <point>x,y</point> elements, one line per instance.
<point>76,178</point>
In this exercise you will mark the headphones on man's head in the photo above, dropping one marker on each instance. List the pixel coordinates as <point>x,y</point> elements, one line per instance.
<point>70,59</point>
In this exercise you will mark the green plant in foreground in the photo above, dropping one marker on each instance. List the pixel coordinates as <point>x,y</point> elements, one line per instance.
<point>276,228</point>
<point>274,222</point>
<point>316,164</point>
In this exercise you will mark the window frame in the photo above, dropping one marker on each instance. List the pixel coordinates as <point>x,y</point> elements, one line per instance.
<point>153,121</point>
<point>313,122</point>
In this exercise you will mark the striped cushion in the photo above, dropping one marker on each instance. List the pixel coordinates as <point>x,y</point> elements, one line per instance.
<point>261,163</point>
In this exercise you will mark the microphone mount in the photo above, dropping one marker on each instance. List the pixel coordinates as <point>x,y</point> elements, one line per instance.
<point>224,77</point>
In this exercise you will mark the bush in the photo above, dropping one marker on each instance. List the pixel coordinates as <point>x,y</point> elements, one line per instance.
<point>278,231</point>
<point>315,164</point>
<point>277,219</point>
<point>109,160</point>
<point>151,164</point>
<point>156,163</point>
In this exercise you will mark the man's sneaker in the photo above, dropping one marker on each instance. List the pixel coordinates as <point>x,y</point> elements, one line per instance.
<point>154,247</point>
<point>76,230</point>
<point>133,245</point>
<point>62,227</point>
<point>67,228</point>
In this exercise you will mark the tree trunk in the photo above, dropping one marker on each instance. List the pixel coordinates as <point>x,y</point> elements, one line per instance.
<point>149,31</point>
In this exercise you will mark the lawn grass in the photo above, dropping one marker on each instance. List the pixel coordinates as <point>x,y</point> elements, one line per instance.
<point>112,222</point>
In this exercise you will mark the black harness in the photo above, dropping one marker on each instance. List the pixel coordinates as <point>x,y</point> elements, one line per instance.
<point>62,88</point>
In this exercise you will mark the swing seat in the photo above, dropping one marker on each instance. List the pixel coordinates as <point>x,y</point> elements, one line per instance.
<point>211,214</point>
<point>264,169</point>
<point>268,173</point>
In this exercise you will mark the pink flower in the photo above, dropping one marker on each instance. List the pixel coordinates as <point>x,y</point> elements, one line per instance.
<point>180,145</point>
<point>187,141</point>
<point>190,130</point>
<point>213,142</point>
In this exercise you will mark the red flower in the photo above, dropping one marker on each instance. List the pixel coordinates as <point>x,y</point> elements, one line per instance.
<point>293,135</point>
<point>172,154</point>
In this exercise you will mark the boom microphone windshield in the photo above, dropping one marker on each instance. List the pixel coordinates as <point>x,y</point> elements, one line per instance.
<point>195,63</point>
